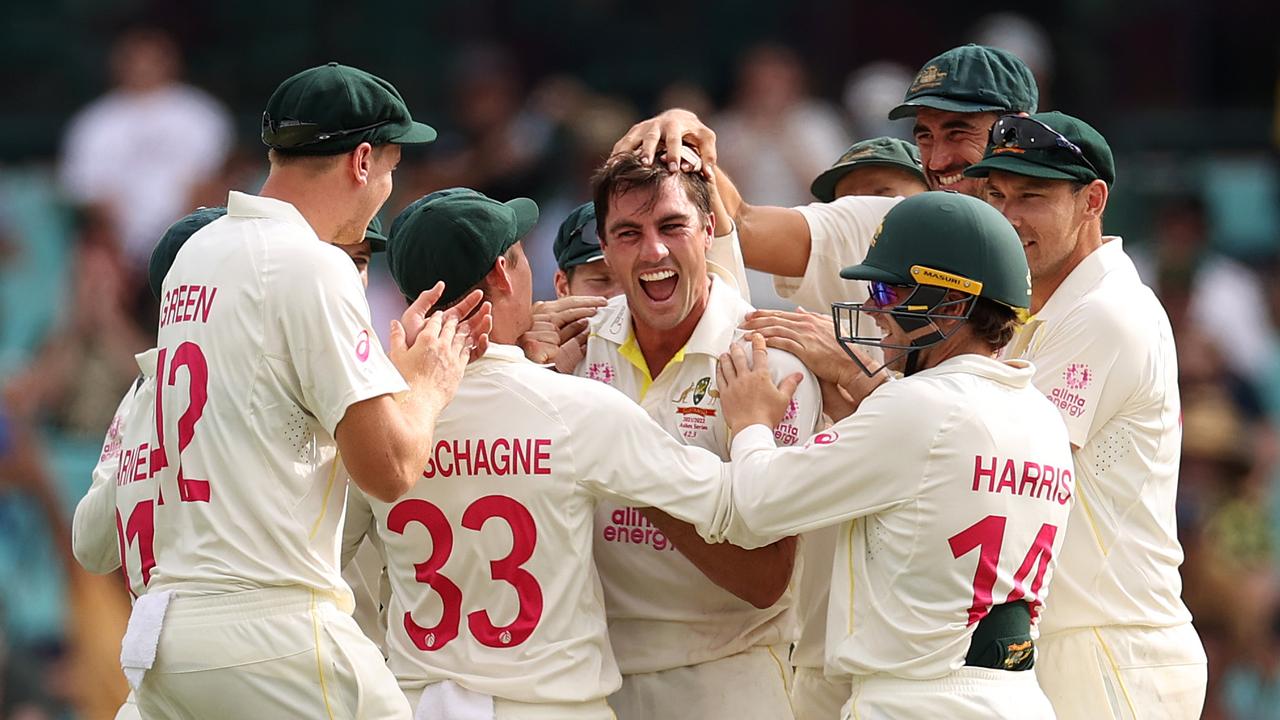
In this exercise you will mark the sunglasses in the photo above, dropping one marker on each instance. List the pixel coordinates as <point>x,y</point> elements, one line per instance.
<point>1024,133</point>
<point>587,232</point>
<point>294,133</point>
<point>886,295</point>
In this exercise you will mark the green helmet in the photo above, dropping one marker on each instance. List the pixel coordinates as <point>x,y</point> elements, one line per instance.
<point>928,245</point>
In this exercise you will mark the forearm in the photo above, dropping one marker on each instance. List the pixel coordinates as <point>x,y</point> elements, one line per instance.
<point>775,240</point>
<point>757,576</point>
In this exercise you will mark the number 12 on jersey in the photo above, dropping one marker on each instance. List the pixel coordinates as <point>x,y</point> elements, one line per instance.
<point>988,536</point>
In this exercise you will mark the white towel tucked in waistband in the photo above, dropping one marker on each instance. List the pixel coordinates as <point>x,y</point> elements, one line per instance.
<point>447,700</point>
<point>138,649</point>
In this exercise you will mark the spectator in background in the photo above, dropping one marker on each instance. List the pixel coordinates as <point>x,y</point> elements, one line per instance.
<point>1189,267</point>
<point>776,138</point>
<point>1025,38</point>
<point>870,92</point>
<point>82,368</point>
<point>139,151</point>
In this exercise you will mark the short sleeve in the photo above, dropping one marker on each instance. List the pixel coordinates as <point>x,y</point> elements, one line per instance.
<point>1084,365</point>
<point>840,235</point>
<point>724,260</point>
<point>324,317</point>
<point>93,529</point>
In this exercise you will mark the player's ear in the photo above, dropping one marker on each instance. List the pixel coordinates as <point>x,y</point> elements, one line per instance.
<point>1095,198</point>
<point>361,163</point>
<point>499,276</point>
<point>562,283</point>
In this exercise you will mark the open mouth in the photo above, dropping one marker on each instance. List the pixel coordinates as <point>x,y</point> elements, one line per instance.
<point>659,285</point>
<point>947,180</point>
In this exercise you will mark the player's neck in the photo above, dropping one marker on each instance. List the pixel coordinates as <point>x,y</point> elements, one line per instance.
<point>323,212</point>
<point>659,346</point>
<point>1088,239</point>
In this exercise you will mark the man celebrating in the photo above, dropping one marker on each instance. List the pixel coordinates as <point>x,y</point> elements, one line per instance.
<point>501,528</point>
<point>1118,640</point>
<point>687,645</point>
<point>955,98</point>
<point>266,370</point>
<point>951,487</point>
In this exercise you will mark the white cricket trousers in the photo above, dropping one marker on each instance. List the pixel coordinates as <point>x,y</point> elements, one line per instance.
<point>511,710</point>
<point>970,693</point>
<point>814,696</point>
<point>1124,673</point>
<point>752,685</point>
<point>271,653</point>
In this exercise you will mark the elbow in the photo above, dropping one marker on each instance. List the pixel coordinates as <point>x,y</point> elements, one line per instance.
<point>766,595</point>
<point>387,484</point>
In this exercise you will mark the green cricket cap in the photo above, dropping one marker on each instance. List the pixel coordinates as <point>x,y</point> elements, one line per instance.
<point>948,240</point>
<point>330,109</point>
<point>1034,146</point>
<point>576,241</point>
<point>373,233</point>
<point>876,151</point>
<point>454,236</point>
<point>171,242</point>
<point>969,79</point>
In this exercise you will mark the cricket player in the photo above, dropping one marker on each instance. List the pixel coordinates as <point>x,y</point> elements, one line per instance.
<point>954,98</point>
<point>951,487</point>
<point>581,269</point>
<point>699,630</point>
<point>267,369</point>
<point>496,608</point>
<point>1118,641</point>
<point>884,167</point>
<point>112,527</point>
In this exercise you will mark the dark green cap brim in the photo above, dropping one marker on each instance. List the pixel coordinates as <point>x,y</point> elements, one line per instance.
<point>864,271</point>
<point>1019,165</point>
<point>417,134</point>
<point>824,186</point>
<point>909,109</point>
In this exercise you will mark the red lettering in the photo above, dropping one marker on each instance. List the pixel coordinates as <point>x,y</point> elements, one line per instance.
<point>505,456</point>
<point>979,472</point>
<point>541,453</point>
<point>443,470</point>
<point>619,516</point>
<point>1028,484</point>
<point>482,458</point>
<point>1064,487</point>
<point>461,453</point>
<point>637,535</point>
<point>189,302</point>
<point>1007,477</point>
<point>1045,489</point>
<point>610,533</point>
<point>520,461</point>
<point>206,303</point>
<point>140,472</point>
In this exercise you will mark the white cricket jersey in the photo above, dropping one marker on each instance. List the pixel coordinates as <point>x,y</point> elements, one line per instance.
<point>840,235</point>
<point>113,523</point>
<point>952,490</point>
<point>663,612</point>
<point>490,554</point>
<point>264,343</point>
<point>1105,357</point>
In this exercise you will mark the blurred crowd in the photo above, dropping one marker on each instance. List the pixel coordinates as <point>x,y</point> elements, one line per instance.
<point>75,235</point>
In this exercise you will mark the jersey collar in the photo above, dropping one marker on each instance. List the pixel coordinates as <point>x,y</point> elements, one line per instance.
<point>1014,373</point>
<point>255,206</point>
<point>504,353</point>
<point>1110,256</point>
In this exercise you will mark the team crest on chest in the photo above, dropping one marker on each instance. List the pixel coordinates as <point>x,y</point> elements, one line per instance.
<point>695,417</point>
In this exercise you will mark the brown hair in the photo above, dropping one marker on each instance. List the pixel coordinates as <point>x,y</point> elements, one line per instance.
<point>624,172</point>
<point>993,322</point>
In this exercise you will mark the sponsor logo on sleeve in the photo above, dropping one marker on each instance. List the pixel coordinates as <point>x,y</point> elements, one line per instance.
<point>362,346</point>
<point>823,438</point>
<point>1077,376</point>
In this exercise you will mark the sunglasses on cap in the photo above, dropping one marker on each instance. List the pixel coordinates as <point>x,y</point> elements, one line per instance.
<point>288,134</point>
<point>586,231</point>
<point>1025,133</point>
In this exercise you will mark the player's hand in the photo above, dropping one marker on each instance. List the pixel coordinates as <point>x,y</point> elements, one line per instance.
<point>747,393</point>
<point>474,318</point>
<point>836,403</point>
<point>809,336</point>
<point>434,364</point>
<point>559,332</point>
<point>672,128</point>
